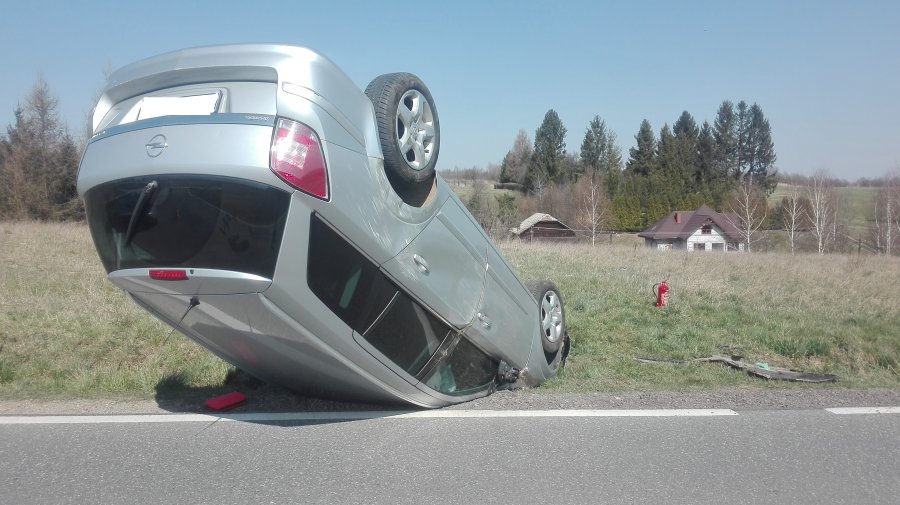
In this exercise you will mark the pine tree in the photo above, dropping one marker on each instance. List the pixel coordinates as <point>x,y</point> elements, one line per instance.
<point>626,213</point>
<point>667,156</point>
<point>725,136</point>
<point>601,155</point>
<point>611,163</point>
<point>39,162</point>
<point>657,206</point>
<point>547,161</point>
<point>642,158</point>
<point>761,150</point>
<point>705,171</point>
<point>65,203</point>
<point>744,140</point>
<point>686,149</point>
<point>592,146</point>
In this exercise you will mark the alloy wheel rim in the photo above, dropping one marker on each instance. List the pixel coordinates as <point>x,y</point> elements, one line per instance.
<point>415,129</point>
<point>551,316</point>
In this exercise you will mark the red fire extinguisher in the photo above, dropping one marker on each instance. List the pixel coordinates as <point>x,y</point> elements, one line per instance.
<point>661,290</point>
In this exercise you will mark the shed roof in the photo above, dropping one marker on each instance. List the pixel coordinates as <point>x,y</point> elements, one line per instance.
<point>534,219</point>
<point>682,224</point>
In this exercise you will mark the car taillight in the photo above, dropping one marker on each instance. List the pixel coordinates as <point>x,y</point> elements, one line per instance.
<point>168,275</point>
<point>296,157</point>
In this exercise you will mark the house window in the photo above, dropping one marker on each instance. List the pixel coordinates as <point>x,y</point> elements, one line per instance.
<point>706,229</point>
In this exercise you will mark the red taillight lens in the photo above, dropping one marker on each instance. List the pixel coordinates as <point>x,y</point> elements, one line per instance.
<point>168,275</point>
<point>297,158</point>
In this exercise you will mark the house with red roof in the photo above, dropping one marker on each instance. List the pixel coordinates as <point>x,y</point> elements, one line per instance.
<point>700,230</point>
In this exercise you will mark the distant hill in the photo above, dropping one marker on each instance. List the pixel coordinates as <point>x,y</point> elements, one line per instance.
<point>858,205</point>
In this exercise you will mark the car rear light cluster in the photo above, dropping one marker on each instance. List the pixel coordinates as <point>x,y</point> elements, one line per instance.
<point>297,158</point>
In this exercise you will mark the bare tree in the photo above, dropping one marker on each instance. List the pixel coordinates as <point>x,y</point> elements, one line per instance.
<point>793,214</point>
<point>749,208</point>
<point>593,205</point>
<point>539,188</point>
<point>821,198</point>
<point>515,164</point>
<point>886,227</point>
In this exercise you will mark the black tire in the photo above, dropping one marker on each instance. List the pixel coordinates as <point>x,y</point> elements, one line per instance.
<point>551,315</point>
<point>409,133</point>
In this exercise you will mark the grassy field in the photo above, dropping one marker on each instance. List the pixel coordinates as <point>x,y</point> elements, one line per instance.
<point>857,206</point>
<point>829,314</point>
<point>65,331</point>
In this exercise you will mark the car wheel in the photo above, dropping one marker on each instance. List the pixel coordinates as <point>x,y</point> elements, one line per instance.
<point>552,316</point>
<point>409,133</point>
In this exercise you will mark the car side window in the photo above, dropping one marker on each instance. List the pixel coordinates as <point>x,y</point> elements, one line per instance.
<point>466,371</point>
<point>345,280</point>
<point>407,334</point>
<point>353,287</point>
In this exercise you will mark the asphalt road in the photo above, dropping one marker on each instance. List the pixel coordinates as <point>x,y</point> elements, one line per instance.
<point>757,456</point>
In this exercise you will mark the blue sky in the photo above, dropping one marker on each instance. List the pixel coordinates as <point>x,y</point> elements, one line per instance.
<point>826,74</point>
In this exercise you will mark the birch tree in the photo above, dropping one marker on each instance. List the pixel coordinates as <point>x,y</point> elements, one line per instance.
<point>885,229</point>
<point>821,199</point>
<point>593,205</point>
<point>749,206</point>
<point>793,214</point>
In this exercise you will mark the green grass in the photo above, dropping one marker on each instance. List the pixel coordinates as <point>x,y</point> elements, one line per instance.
<point>65,331</point>
<point>825,314</point>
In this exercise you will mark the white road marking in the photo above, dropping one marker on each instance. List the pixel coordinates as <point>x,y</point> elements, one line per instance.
<point>350,416</point>
<point>864,410</point>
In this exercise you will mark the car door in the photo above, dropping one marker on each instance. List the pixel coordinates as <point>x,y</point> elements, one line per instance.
<point>444,266</point>
<point>506,319</point>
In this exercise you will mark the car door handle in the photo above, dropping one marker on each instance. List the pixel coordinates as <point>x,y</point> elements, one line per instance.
<point>485,321</point>
<point>421,264</point>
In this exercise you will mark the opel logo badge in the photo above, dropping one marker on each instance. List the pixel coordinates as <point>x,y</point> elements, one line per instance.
<point>156,146</point>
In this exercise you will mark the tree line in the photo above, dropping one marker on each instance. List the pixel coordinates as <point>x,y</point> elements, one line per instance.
<point>728,165</point>
<point>681,167</point>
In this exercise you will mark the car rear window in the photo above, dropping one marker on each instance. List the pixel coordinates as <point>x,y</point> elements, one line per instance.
<point>189,221</point>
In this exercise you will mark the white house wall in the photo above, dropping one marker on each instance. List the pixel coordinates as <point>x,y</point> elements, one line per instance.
<point>705,240</point>
<point>664,245</point>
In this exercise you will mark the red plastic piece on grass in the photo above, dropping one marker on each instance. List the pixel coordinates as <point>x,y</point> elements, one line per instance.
<point>226,401</point>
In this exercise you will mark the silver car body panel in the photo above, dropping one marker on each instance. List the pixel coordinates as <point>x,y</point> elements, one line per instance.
<point>266,342</point>
<point>297,71</point>
<point>277,328</point>
<point>200,280</point>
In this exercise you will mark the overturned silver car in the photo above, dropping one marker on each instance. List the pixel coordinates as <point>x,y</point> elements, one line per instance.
<point>256,200</point>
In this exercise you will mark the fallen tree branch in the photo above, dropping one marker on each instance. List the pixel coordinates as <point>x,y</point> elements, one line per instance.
<point>757,369</point>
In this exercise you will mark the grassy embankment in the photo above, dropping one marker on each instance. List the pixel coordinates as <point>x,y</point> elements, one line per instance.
<point>66,331</point>
<point>857,206</point>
